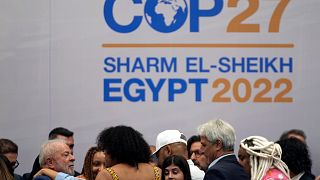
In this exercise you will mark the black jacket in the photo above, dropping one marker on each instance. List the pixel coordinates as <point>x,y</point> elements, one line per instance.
<point>227,168</point>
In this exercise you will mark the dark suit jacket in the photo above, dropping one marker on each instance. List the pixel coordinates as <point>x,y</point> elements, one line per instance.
<point>226,168</point>
<point>42,178</point>
<point>35,168</point>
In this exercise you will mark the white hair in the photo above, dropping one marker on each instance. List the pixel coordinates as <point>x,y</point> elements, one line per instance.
<point>48,149</point>
<point>264,155</point>
<point>219,130</point>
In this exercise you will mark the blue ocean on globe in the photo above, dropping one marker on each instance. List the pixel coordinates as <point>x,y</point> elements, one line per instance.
<point>166,15</point>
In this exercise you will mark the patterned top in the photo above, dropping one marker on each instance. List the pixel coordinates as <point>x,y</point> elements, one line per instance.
<point>115,176</point>
<point>275,174</point>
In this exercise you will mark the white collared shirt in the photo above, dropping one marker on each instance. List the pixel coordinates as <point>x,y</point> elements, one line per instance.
<point>196,173</point>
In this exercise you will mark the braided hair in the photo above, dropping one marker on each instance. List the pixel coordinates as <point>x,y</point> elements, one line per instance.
<point>264,155</point>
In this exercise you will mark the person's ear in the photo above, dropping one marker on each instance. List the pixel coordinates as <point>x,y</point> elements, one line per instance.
<point>168,150</point>
<point>49,163</point>
<point>219,144</point>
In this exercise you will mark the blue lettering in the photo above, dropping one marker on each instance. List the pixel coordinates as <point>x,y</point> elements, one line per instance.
<point>138,65</point>
<point>201,68</point>
<point>198,83</point>
<point>126,64</point>
<point>108,15</point>
<point>172,90</point>
<point>196,13</point>
<point>108,90</point>
<point>191,63</point>
<point>110,67</point>
<point>252,64</point>
<point>155,89</point>
<point>140,92</point>
<point>289,65</point>
<point>152,62</point>
<point>261,64</point>
<point>169,67</point>
<point>269,64</point>
<point>224,65</point>
<point>235,64</point>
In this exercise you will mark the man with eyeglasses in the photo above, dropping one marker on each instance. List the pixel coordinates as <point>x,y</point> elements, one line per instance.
<point>194,153</point>
<point>10,150</point>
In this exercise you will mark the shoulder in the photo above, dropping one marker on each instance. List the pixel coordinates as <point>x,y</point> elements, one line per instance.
<point>228,163</point>
<point>225,174</point>
<point>227,168</point>
<point>275,173</point>
<point>144,171</point>
<point>104,175</point>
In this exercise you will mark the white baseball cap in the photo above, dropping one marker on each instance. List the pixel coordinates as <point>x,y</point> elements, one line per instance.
<point>168,137</point>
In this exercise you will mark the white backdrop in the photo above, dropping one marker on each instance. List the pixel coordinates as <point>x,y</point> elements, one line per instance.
<point>52,73</point>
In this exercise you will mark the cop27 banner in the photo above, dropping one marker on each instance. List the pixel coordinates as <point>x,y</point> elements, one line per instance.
<point>202,51</point>
<point>156,65</point>
<point>248,61</point>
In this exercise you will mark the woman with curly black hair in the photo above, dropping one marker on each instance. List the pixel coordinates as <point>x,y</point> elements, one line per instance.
<point>296,155</point>
<point>127,155</point>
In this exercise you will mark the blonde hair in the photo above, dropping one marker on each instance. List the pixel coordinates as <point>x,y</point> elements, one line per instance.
<point>264,155</point>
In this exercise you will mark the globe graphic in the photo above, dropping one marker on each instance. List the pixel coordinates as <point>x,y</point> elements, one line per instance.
<point>166,15</point>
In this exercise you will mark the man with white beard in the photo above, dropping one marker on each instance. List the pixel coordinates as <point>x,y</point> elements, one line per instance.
<point>56,155</point>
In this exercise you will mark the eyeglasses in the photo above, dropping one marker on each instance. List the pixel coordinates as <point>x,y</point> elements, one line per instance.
<point>196,153</point>
<point>15,164</point>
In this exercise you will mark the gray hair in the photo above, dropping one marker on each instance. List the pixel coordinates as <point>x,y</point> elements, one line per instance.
<point>48,149</point>
<point>219,130</point>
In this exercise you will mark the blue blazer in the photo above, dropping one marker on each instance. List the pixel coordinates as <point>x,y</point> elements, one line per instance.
<point>227,168</point>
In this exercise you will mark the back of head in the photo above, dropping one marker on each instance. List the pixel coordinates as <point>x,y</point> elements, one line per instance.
<point>124,145</point>
<point>294,133</point>
<point>177,161</point>
<point>296,155</point>
<point>6,171</point>
<point>59,131</point>
<point>8,146</point>
<point>48,150</point>
<point>264,154</point>
<point>219,130</point>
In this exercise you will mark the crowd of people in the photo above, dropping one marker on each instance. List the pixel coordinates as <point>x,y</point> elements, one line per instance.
<point>121,153</point>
